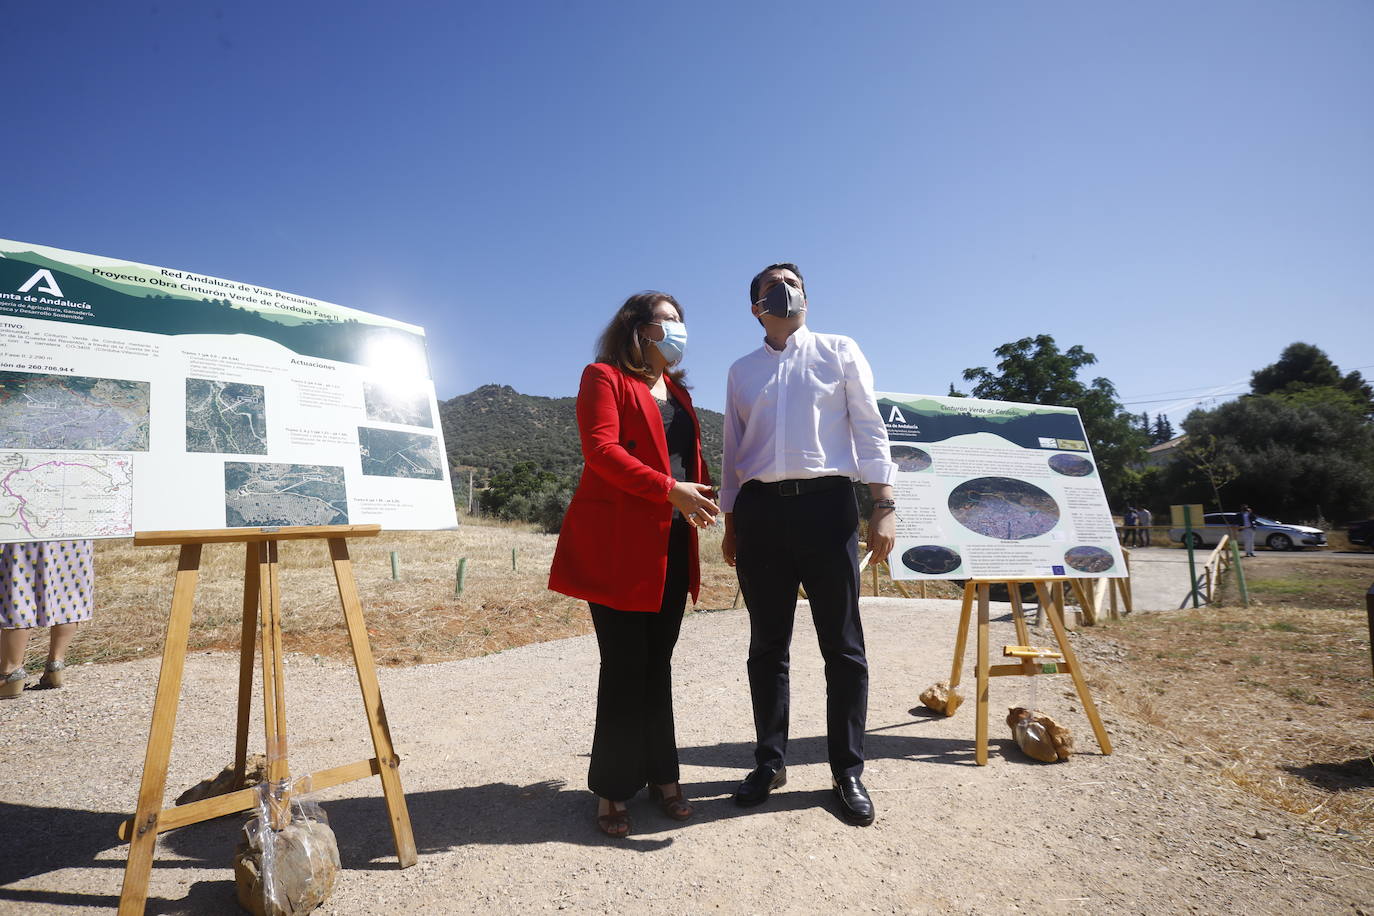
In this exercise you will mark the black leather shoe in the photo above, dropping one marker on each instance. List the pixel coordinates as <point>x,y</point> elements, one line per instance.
<point>855,804</point>
<point>756,786</point>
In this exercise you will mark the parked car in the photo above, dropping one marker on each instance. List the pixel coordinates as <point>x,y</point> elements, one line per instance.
<point>1361,533</point>
<point>1272,534</point>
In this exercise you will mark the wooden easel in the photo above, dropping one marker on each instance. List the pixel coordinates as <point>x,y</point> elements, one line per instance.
<point>1030,661</point>
<point>261,614</point>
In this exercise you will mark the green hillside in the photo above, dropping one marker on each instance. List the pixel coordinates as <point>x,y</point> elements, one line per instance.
<point>496,427</point>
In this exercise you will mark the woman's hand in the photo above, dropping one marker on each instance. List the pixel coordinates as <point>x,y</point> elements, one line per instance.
<point>693,500</point>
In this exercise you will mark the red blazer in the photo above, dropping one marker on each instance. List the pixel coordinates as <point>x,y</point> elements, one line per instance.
<point>613,547</point>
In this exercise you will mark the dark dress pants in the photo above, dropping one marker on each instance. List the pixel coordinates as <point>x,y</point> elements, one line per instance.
<point>810,540</point>
<point>635,743</point>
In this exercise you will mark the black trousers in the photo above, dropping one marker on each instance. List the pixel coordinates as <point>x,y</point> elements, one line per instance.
<point>635,743</point>
<point>811,540</point>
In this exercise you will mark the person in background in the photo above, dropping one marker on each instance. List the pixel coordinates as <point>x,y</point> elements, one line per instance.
<point>1247,530</point>
<point>1145,518</point>
<point>1129,519</point>
<point>628,547</point>
<point>801,425</point>
<point>42,584</point>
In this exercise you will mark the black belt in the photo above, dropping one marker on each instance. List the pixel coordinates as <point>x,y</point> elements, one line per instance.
<point>798,487</point>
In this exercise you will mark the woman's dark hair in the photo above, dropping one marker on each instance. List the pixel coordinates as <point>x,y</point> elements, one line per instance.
<point>619,344</point>
<point>758,279</point>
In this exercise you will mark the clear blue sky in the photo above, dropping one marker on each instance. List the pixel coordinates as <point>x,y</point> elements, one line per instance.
<point>1183,188</point>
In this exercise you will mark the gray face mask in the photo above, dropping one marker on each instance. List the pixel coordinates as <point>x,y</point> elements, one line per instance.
<point>784,301</point>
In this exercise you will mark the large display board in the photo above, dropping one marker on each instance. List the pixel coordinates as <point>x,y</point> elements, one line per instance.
<point>135,397</point>
<point>995,489</point>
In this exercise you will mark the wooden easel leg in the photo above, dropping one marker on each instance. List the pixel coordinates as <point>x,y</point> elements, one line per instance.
<point>273,683</point>
<point>1079,682</point>
<point>134,894</point>
<point>372,701</point>
<point>981,747</point>
<point>1085,601</point>
<point>247,645</point>
<point>1022,632</point>
<point>956,671</point>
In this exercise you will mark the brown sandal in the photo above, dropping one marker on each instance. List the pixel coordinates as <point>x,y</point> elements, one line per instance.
<point>675,806</point>
<point>615,824</point>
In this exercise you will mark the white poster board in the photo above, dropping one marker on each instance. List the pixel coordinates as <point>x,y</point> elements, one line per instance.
<point>137,398</point>
<point>994,489</point>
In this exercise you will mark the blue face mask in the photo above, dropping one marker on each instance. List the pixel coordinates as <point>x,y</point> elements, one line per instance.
<point>674,342</point>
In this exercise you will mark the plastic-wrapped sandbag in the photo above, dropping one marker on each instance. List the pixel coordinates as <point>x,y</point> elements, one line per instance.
<point>1039,736</point>
<point>288,859</point>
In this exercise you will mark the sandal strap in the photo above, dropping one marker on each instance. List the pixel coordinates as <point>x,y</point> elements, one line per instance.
<point>54,666</point>
<point>18,674</point>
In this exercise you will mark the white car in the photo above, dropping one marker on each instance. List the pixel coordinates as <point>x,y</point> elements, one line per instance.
<point>1272,534</point>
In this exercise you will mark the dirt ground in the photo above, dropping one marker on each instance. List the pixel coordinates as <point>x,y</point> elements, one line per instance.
<point>494,763</point>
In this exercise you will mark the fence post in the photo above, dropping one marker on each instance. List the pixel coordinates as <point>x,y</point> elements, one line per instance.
<point>462,574</point>
<point>1238,567</point>
<point>512,559</point>
<point>1192,565</point>
<point>395,565</point>
<point>1369,609</point>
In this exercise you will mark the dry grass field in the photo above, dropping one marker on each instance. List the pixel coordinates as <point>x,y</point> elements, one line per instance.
<point>1278,696</point>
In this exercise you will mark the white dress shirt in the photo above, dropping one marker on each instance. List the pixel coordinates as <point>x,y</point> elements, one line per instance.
<point>805,411</point>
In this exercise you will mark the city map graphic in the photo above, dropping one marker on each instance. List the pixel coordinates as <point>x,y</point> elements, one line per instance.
<point>59,495</point>
<point>259,494</point>
<point>406,407</point>
<point>73,412</point>
<point>391,453</point>
<point>225,417</point>
<point>1003,508</point>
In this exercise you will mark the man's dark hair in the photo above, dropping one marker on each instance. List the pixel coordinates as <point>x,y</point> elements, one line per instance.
<point>758,279</point>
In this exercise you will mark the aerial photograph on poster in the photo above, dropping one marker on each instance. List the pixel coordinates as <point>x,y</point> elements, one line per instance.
<point>1003,508</point>
<point>909,458</point>
<point>261,493</point>
<point>403,406</point>
<point>1001,490</point>
<point>393,453</point>
<point>931,559</point>
<point>72,412</point>
<point>1071,465</point>
<point>225,417</point>
<point>1089,559</point>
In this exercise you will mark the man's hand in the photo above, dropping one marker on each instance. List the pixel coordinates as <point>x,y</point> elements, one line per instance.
<point>727,542</point>
<point>882,533</point>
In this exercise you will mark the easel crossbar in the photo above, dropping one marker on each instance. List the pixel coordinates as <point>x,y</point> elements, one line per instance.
<point>241,800</point>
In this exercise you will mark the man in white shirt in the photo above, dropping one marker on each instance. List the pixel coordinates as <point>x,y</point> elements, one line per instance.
<point>802,423</point>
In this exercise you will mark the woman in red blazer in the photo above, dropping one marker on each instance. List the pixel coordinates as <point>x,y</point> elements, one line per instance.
<point>628,546</point>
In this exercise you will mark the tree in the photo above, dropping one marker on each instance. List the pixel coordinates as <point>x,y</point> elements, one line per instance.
<point>527,494</point>
<point>1292,459</point>
<point>1033,370</point>
<point>1306,374</point>
<point>1162,431</point>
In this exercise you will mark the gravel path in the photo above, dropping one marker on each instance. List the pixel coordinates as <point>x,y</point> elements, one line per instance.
<point>494,768</point>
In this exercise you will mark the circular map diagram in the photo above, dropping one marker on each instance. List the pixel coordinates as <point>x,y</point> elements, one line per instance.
<point>1089,559</point>
<point>1071,465</point>
<point>1003,508</point>
<point>910,458</point>
<point>932,559</point>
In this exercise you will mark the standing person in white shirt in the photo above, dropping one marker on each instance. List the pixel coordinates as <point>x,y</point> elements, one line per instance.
<point>802,423</point>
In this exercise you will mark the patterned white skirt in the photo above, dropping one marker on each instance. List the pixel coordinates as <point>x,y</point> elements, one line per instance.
<point>45,583</point>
